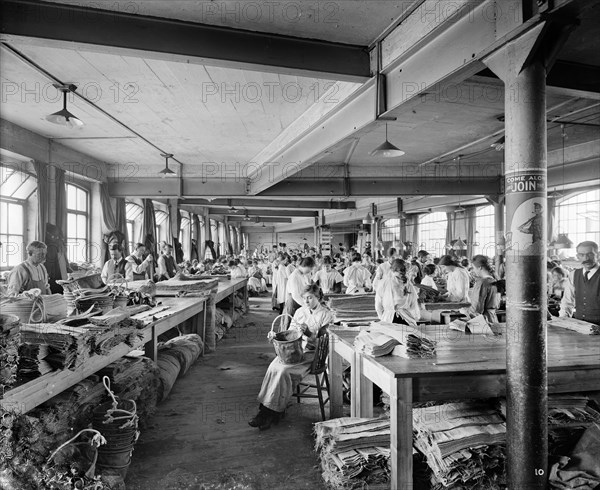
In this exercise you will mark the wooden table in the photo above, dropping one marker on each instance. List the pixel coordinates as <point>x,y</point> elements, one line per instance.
<point>228,287</point>
<point>465,367</point>
<point>25,397</point>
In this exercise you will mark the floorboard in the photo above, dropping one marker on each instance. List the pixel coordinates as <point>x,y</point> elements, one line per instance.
<point>199,437</point>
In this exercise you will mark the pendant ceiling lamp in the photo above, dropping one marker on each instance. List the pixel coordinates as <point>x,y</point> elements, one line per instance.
<point>459,245</point>
<point>246,217</point>
<point>386,149</point>
<point>498,145</point>
<point>232,209</point>
<point>64,117</point>
<point>368,219</point>
<point>166,171</point>
<point>562,240</point>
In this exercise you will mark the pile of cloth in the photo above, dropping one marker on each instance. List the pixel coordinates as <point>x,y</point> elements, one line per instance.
<point>353,309</point>
<point>9,351</point>
<point>354,452</point>
<point>135,378</point>
<point>176,285</point>
<point>463,443</point>
<point>175,357</point>
<point>375,344</point>
<point>411,342</point>
<point>575,325</point>
<point>59,346</point>
<point>100,298</point>
<point>223,322</point>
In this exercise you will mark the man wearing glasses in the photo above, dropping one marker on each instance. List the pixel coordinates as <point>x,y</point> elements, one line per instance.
<point>583,294</point>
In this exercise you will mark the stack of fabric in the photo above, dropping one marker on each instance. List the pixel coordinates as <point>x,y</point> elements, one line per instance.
<point>100,298</point>
<point>135,378</point>
<point>61,346</point>
<point>374,344</point>
<point>353,309</point>
<point>175,286</point>
<point>354,452</point>
<point>414,343</point>
<point>575,325</point>
<point>463,444</point>
<point>9,351</point>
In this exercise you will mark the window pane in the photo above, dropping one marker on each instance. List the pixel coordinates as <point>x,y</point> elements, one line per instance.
<point>71,197</point>
<point>11,252</point>
<point>3,217</point>
<point>433,233</point>
<point>71,225</point>
<point>15,213</point>
<point>81,226</point>
<point>81,200</point>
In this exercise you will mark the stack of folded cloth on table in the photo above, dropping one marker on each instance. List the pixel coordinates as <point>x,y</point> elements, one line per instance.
<point>353,309</point>
<point>9,351</point>
<point>568,417</point>
<point>100,298</point>
<point>576,325</point>
<point>175,286</point>
<point>113,328</point>
<point>59,346</point>
<point>463,444</point>
<point>375,344</point>
<point>135,378</point>
<point>354,452</point>
<point>411,342</point>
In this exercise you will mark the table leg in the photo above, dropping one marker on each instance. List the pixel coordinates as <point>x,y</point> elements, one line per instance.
<point>401,432</point>
<point>362,390</point>
<point>150,349</point>
<point>336,399</point>
<point>232,306</point>
<point>204,326</point>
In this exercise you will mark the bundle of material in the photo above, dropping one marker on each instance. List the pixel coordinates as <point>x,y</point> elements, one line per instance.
<point>463,444</point>
<point>9,351</point>
<point>135,378</point>
<point>575,325</point>
<point>67,346</point>
<point>175,286</point>
<point>427,294</point>
<point>33,307</point>
<point>353,307</point>
<point>107,338</point>
<point>375,344</point>
<point>568,417</point>
<point>414,343</point>
<point>100,298</point>
<point>169,367</point>
<point>78,402</point>
<point>32,363</point>
<point>187,348</point>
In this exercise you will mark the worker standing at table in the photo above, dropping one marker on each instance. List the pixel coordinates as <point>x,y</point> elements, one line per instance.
<point>582,295</point>
<point>457,282</point>
<point>31,273</point>
<point>328,278</point>
<point>166,263</point>
<point>297,282</point>
<point>115,265</point>
<point>137,266</point>
<point>384,268</point>
<point>396,299</point>
<point>357,278</point>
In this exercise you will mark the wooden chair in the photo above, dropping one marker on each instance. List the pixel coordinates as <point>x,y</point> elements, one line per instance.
<point>318,369</point>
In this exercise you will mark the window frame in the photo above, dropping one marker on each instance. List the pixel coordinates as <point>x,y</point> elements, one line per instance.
<point>76,212</point>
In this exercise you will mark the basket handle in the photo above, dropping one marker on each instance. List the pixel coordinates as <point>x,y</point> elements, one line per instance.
<point>277,318</point>
<point>97,440</point>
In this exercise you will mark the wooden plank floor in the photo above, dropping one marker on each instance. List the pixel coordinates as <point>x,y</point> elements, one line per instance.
<point>199,437</point>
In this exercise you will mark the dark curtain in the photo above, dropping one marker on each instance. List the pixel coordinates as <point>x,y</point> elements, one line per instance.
<point>552,234</point>
<point>450,222</point>
<point>195,252</point>
<point>43,199</point>
<point>149,227</point>
<point>61,201</point>
<point>211,246</point>
<point>121,223</point>
<point>110,221</point>
<point>470,216</point>
<point>56,260</point>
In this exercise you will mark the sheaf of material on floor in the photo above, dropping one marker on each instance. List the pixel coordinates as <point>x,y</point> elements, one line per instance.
<point>199,437</point>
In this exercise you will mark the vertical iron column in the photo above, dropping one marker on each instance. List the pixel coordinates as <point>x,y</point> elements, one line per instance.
<point>499,232</point>
<point>526,193</point>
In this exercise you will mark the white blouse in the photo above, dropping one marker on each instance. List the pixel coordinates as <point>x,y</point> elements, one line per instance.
<point>458,285</point>
<point>315,319</point>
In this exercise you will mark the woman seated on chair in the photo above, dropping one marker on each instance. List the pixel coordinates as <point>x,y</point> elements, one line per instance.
<point>281,379</point>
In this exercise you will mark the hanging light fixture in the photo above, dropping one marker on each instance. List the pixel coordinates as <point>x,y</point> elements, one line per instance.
<point>166,171</point>
<point>232,209</point>
<point>459,209</point>
<point>64,117</point>
<point>368,219</point>
<point>562,240</point>
<point>386,149</point>
<point>246,217</point>
<point>459,245</point>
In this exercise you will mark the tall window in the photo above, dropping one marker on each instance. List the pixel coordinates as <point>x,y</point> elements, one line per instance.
<point>161,227</point>
<point>133,214</point>
<point>485,238</point>
<point>390,230</point>
<point>77,223</point>
<point>11,234</point>
<point>578,216</point>
<point>432,233</point>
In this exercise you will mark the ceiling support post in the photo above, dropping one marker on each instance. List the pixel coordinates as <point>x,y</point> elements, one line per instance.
<point>522,66</point>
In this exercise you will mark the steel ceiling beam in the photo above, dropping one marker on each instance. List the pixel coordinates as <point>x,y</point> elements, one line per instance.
<point>157,187</point>
<point>263,212</point>
<point>251,202</point>
<point>260,219</point>
<point>111,31</point>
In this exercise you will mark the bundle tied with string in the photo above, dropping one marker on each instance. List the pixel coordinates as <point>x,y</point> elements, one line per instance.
<point>33,307</point>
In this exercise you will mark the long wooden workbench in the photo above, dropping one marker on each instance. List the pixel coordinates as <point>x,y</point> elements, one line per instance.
<point>465,367</point>
<point>29,395</point>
